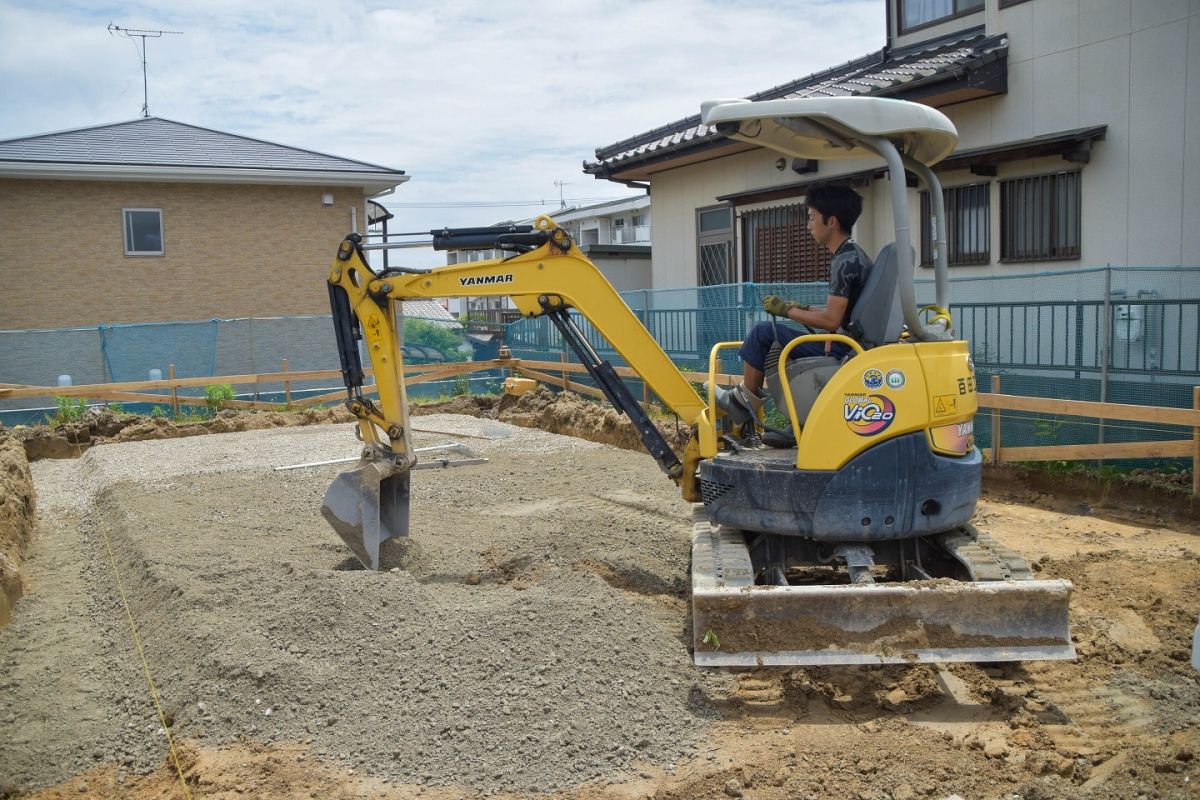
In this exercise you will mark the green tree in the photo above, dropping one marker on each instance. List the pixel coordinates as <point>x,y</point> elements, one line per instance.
<point>444,340</point>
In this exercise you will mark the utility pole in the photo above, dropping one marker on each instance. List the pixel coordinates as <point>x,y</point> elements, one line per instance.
<point>132,33</point>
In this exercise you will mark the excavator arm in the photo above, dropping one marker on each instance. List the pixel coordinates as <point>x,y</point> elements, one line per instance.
<point>548,276</point>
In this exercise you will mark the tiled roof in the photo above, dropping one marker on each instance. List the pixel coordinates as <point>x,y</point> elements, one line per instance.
<point>431,311</point>
<point>156,142</point>
<point>878,73</point>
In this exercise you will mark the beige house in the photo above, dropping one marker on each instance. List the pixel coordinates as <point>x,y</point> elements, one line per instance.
<point>155,220</point>
<point>1079,127</point>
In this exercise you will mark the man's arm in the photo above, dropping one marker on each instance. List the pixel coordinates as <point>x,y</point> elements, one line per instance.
<point>828,318</point>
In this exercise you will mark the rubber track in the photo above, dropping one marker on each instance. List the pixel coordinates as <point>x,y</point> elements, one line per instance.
<point>985,558</point>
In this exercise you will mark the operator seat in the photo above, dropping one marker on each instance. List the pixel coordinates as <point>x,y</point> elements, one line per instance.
<point>876,319</point>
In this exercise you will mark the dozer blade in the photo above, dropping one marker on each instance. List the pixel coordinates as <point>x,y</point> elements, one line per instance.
<point>736,623</point>
<point>368,505</point>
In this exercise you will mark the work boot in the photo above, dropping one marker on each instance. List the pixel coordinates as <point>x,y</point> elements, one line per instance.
<point>739,403</point>
<point>783,438</point>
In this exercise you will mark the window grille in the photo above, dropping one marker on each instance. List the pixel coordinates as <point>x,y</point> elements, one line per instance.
<point>777,247</point>
<point>968,237</point>
<point>1040,217</point>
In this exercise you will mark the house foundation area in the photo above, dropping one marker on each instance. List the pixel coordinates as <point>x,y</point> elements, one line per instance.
<point>532,640</point>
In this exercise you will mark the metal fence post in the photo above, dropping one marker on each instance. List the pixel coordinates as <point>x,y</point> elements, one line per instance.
<point>1105,356</point>
<point>995,422</point>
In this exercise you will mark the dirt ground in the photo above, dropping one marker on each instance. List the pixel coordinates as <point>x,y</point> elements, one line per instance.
<point>532,644</point>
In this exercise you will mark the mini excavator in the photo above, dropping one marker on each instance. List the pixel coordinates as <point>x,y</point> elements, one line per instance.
<point>855,546</point>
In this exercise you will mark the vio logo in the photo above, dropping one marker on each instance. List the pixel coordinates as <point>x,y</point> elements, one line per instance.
<point>868,414</point>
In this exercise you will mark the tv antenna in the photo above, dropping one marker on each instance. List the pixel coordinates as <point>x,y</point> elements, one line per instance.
<point>134,33</point>
<point>560,184</point>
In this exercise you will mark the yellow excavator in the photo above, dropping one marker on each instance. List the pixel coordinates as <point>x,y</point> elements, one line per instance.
<point>852,547</point>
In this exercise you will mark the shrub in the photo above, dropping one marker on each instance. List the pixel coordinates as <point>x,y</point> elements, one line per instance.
<point>444,340</point>
<point>67,409</point>
<point>216,394</point>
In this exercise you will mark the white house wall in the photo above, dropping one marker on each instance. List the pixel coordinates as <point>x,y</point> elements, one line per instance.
<point>1126,64</point>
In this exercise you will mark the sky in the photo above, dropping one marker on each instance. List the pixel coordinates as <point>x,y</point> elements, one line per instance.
<point>482,103</point>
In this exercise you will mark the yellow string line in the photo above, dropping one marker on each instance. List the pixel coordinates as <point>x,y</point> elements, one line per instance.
<point>145,666</point>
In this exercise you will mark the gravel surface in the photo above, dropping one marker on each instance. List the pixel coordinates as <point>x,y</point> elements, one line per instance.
<point>533,639</point>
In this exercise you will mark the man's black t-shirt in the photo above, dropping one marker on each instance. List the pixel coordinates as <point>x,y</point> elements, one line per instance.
<point>848,273</point>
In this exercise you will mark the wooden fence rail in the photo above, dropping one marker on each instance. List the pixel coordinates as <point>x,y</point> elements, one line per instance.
<point>557,373</point>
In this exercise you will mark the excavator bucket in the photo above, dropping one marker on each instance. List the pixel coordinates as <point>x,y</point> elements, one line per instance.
<point>736,623</point>
<point>368,505</point>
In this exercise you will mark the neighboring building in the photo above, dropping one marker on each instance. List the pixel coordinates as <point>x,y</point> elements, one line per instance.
<point>155,220</point>
<point>1079,146</point>
<point>616,237</point>
<point>616,222</point>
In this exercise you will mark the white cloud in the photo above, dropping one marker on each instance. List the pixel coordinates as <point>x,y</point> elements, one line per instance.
<point>478,101</point>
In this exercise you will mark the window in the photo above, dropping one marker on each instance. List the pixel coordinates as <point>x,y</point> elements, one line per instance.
<point>714,243</point>
<point>1039,217</point>
<point>921,13</point>
<point>639,220</point>
<point>143,231</point>
<point>777,247</point>
<point>968,239</point>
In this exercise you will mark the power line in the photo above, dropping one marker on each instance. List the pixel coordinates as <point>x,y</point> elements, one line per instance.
<point>500,203</point>
<point>131,33</point>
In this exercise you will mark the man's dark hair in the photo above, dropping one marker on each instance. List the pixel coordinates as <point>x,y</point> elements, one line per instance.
<point>836,201</point>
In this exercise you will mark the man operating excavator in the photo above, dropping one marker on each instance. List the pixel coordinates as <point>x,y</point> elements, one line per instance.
<point>832,212</point>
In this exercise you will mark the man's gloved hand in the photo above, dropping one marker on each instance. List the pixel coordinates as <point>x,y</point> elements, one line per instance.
<point>777,306</point>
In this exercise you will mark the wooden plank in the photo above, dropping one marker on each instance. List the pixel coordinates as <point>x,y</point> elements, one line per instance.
<point>722,378</point>
<point>1085,408</point>
<point>578,388</point>
<point>1087,452</point>
<point>92,390</point>
<point>95,389</point>
<point>165,400</point>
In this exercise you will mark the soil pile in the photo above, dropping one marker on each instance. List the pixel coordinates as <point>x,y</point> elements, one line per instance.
<point>17,505</point>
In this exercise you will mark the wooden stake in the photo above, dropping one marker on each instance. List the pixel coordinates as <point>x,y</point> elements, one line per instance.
<point>995,423</point>
<point>174,391</point>
<point>566,381</point>
<point>287,388</point>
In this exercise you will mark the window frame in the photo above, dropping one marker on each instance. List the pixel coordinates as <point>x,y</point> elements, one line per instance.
<point>1064,253</point>
<point>127,233</point>
<point>956,257</point>
<point>958,13</point>
<point>726,236</point>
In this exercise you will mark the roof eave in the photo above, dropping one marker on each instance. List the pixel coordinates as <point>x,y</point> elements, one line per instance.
<point>370,182</point>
